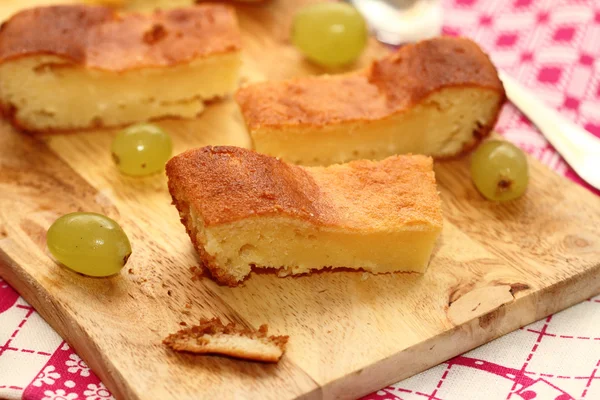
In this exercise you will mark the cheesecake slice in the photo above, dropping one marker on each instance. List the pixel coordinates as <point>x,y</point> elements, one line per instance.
<point>246,210</point>
<point>438,97</point>
<point>72,67</point>
<point>213,337</point>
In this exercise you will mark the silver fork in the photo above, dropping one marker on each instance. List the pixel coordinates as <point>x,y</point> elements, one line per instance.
<point>577,146</point>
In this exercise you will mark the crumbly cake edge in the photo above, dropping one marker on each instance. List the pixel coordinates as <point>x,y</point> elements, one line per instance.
<point>208,261</point>
<point>214,327</point>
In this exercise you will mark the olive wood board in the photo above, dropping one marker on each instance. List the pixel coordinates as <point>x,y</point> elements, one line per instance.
<point>496,267</point>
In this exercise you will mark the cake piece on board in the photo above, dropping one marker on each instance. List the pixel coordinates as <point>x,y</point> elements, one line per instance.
<point>77,66</point>
<point>438,97</point>
<point>246,210</point>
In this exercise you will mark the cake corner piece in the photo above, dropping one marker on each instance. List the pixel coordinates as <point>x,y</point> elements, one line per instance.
<point>244,210</point>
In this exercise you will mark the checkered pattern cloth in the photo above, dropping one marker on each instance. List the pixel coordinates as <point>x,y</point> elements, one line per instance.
<point>552,46</point>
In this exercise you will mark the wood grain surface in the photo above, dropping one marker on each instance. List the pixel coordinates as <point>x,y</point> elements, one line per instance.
<point>496,267</point>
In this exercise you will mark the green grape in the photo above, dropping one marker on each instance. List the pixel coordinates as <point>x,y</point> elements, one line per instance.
<point>330,34</point>
<point>499,170</point>
<point>88,243</point>
<point>141,149</point>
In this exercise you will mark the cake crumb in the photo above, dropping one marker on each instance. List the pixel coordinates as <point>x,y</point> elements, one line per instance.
<point>188,305</point>
<point>213,337</point>
<point>198,272</point>
<point>283,272</point>
<point>364,276</point>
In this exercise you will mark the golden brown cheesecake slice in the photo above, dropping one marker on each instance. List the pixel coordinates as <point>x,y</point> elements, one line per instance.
<point>69,67</point>
<point>243,209</point>
<point>438,97</point>
<point>212,337</point>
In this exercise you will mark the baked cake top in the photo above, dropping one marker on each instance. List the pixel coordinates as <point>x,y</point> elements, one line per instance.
<point>100,37</point>
<point>227,184</point>
<point>390,85</point>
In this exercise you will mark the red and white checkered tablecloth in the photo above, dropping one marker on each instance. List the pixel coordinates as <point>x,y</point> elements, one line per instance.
<point>552,46</point>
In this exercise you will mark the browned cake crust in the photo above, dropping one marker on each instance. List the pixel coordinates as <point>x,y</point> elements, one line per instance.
<point>226,184</point>
<point>230,183</point>
<point>101,38</point>
<point>214,327</point>
<point>415,71</point>
<point>389,86</point>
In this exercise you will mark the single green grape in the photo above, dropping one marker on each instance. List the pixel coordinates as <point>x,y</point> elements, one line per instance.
<point>329,34</point>
<point>141,149</point>
<point>88,243</point>
<point>499,170</point>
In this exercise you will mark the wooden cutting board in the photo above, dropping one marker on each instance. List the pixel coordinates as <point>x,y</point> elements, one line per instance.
<point>496,267</point>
